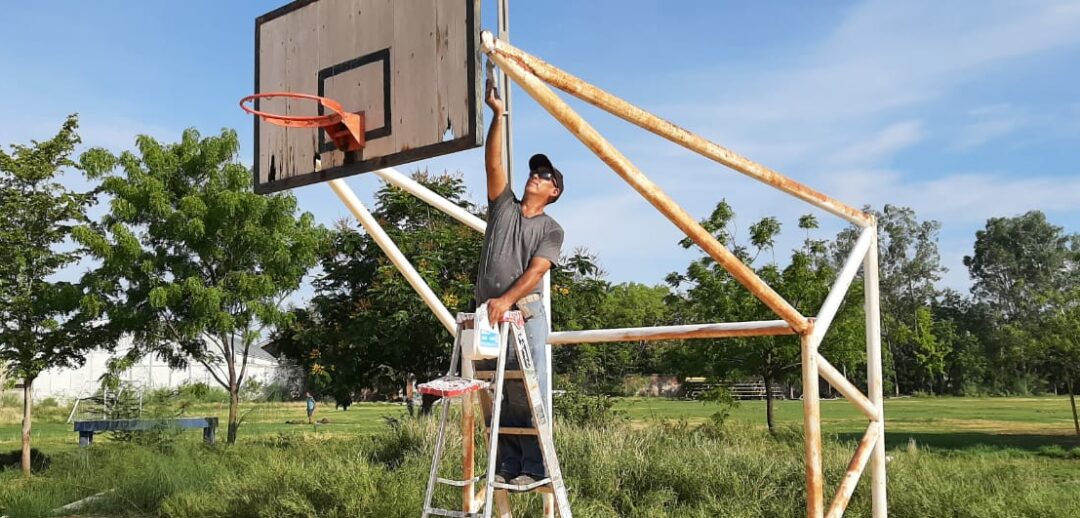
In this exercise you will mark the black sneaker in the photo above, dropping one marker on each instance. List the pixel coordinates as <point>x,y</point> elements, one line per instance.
<point>501,478</point>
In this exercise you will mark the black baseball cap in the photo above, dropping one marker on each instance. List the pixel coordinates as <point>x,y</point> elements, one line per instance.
<point>540,162</point>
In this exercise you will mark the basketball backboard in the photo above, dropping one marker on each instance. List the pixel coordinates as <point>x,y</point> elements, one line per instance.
<point>411,66</point>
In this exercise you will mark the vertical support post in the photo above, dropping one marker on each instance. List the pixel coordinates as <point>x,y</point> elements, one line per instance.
<point>549,500</point>
<point>504,89</point>
<point>812,428</point>
<point>874,377</point>
<point>547,346</point>
<point>209,433</point>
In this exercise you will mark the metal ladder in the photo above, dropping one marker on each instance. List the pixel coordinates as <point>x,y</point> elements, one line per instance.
<point>451,386</point>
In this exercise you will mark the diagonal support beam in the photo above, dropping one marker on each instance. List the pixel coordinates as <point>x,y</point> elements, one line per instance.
<point>854,471</point>
<point>402,181</point>
<point>850,391</point>
<point>649,190</point>
<point>620,108</point>
<point>840,286</point>
<point>391,250</point>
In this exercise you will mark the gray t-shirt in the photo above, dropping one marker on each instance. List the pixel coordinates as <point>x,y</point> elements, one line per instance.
<point>510,242</point>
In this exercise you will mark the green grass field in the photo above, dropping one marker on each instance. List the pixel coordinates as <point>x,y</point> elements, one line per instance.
<point>956,457</point>
<point>1026,423</point>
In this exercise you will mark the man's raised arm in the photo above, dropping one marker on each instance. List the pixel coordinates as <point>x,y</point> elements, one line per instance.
<point>493,148</point>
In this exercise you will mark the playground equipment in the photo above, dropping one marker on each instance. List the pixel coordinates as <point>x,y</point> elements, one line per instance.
<point>412,69</point>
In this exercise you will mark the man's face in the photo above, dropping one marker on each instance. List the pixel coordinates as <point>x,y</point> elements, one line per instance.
<point>543,183</point>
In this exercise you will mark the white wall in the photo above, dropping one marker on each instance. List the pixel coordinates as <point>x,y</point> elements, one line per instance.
<point>150,373</point>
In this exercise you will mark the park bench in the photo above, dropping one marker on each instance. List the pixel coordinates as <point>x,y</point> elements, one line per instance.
<point>87,429</point>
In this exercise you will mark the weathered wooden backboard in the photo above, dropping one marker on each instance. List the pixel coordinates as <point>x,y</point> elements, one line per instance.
<point>411,66</point>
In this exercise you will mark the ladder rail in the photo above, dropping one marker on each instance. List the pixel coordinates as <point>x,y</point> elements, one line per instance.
<point>496,410</point>
<point>440,440</point>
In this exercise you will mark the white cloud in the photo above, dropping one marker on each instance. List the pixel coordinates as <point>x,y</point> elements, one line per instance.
<point>882,57</point>
<point>962,198</point>
<point>882,145</point>
<point>991,123</point>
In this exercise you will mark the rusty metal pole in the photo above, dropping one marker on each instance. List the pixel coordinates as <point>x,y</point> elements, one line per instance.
<point>620,108</point>
<point>649,190</point>
<point>812,429</point>
<point>854,471</point>
<point>873,376</point>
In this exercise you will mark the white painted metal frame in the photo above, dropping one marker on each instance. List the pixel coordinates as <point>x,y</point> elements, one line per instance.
<point>531,74</point>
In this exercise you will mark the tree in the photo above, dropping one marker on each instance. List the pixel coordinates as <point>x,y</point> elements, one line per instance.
<point>1061,360</point>
<point>46,322</point>
<point>196,264</point>
<point>712,295</point>
<point>1017,263</point>
<point>366,328</point>
<point>961,324</point>
<point>909,268</point>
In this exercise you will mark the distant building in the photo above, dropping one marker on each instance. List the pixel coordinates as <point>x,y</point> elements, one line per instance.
<point>150,373</point>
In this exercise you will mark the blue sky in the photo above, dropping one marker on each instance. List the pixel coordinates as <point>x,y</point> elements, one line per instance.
<point>960,110</point>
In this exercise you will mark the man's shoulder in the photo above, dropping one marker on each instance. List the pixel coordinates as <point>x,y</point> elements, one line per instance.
<point>552,222</point>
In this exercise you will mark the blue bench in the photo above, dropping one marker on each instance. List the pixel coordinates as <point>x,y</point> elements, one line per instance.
<point>87,429</point>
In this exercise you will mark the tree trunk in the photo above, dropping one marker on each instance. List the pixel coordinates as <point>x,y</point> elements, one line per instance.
<point>1072,401</point>
<point>769,403</point>
<point>234,393</point>
<point>234,410</point>
<point>28,404</point>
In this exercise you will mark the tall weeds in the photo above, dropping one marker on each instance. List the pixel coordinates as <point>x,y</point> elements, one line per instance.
<point>618,470</point>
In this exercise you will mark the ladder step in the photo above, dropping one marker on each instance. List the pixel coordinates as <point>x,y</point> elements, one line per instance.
<point>454,514</point>
<point>510,430</point>
<point>544,482</point>
<point>460,483</point>
<point>490,375</point>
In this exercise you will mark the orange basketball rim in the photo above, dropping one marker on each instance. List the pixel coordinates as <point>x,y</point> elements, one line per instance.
<point>345,129</point>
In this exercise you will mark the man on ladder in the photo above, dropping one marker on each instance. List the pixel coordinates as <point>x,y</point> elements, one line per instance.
<point>520,246</point>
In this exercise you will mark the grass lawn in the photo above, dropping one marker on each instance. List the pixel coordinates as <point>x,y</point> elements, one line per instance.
<point>947,422</point>
<point>1026,423</point>
<point>971,457</point>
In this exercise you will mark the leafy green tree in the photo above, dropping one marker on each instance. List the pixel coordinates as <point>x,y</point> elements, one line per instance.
<point>196,264</point>
<point>604,367</point>
<point>366,328</point>
<point>46,322</point>
<point>1017,263</point>
<point>932,343</point>
<point>1061,360</point>
<point>710,294</point>
<point>578,291</point>
<point>909,269</point>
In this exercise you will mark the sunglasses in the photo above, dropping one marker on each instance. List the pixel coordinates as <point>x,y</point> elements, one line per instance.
<point>543,175</point>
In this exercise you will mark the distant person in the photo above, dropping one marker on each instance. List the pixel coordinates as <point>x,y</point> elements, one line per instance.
<point>310,407</point>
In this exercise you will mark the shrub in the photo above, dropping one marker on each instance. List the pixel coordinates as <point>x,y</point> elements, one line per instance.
<point>575,407</point>
<point>201,393</point>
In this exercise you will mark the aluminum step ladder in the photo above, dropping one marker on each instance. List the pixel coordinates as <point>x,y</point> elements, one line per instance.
<point>451,386</point>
